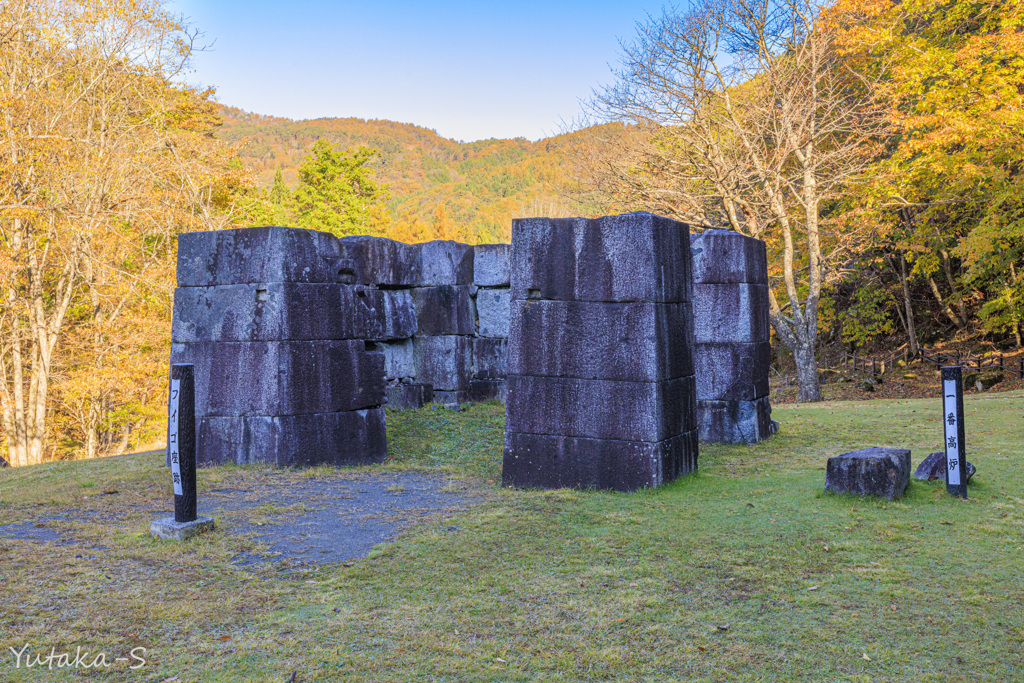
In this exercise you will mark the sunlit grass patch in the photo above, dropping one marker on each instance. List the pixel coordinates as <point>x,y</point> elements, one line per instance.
<point>747,570</point>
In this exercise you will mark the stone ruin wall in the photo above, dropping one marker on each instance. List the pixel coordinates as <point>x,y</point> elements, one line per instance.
<point>300,338</point>
<point>450,307</point>
<point>601,389</point>
<point>282,370</point>
<point>732,335</point>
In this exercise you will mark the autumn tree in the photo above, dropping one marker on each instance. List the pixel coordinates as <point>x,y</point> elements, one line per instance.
<point>949,195</point>
<point>337,192</point>
<point>743,116</point>
<point>104,157</point>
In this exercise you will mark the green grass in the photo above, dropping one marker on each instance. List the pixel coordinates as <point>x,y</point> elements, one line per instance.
<point>745,571</point>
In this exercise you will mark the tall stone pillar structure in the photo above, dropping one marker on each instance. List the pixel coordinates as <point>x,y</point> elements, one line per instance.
<point>601,388</point>
<point>733,351</point>
<point>282,374</point>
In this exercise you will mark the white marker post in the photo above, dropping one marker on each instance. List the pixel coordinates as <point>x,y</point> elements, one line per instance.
<point>953,422</point>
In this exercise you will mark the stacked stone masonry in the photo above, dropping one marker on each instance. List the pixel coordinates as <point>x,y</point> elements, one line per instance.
<point>601,386</point>
<point>732,352</point>
<point>449,303</point>
<point>276,335</point>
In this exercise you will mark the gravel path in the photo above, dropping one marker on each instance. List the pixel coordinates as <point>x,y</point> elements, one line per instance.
<point>305,522</point>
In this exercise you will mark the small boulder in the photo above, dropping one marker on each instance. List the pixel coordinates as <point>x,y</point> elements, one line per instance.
<point>882,472</point>
<point>934,467</point>
<point>3,463</point>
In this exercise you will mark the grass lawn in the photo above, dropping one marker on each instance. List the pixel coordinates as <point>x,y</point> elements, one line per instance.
<point>745,571</point>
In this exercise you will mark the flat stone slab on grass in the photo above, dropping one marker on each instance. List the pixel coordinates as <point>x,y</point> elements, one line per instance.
<point>881,472</point>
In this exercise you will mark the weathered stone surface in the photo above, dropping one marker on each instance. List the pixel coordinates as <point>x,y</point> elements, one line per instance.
<point>632,257</point>
<point>934,467</point>
<point>882,472</point>
<point>409,396</point>
<point>277,311</point>
<point>721,256</point>
<point>355,437</point>
<point>734,421</point>
<point>399,359</point>
<point>399,314</point>
<point>169,529</point>
<point>381,261</point>
<point>258,255</point>
<point>492,310</point>
<point>445,362</point>
<point>542,461</point>
<point>638,342</point>
<point>282,378</point>
<point>736,372</point>
<point>443,262</point>
<point>4,463</point>
<point>487,389</point>
<point>490,358</point>
<point>601,409</point>
<point>490,265</point>
<point>446,309</point>
<point>730,313</point>
<point>450,397</point>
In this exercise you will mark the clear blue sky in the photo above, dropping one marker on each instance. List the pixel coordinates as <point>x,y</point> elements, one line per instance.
<point>470,70</point>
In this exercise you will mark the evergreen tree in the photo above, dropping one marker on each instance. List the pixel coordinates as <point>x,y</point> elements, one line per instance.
<point>337,194</point>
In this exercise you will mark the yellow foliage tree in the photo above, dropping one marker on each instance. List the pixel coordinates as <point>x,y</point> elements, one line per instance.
<point>104,157</point>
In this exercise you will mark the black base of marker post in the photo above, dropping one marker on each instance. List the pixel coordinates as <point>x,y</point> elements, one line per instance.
<point>953,422</point>
<point>181,455</point>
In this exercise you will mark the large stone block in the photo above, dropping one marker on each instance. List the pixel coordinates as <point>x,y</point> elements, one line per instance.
<point>445,309</point>
<point>490,265</point>
<point>409,396</point>
<point>399,359</point>
<point>731,313</point>
<point>399,314</point>
<point>542,461</point>
<point>721,256</point>
<point>381,261</point>
<point>487,389</point>
<point>736,371</point>
<point>277,311</point>
<point>632,257</point>
<point>601,409</point>
<point>443,262</point>
<point>445,362</point>
<point>282,378</point>
<point>637,342</point>
<point>259,255</point>
<point>490,358</point>
<point>493,311</point>
<point>882,472</point>
<point>356,437</point>
<point>734,421</point>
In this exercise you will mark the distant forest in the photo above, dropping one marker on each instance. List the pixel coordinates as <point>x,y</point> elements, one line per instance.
<point>438,188</point>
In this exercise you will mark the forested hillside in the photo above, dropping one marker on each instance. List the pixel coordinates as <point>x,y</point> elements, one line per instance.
<point>438,188</point>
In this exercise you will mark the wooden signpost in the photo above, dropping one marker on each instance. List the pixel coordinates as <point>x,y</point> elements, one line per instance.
<point>953,422</point>
<point>181,441</point>
<point>181,457</point>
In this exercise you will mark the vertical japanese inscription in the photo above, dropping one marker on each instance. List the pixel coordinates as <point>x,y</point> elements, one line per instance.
<point>181,441</point>
<point>173,435</point>
<point>953,425</point>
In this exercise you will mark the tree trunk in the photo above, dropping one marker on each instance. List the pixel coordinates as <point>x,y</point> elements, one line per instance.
<point>807,374</point>
<point>911,328</point>
<point>946,308</point>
